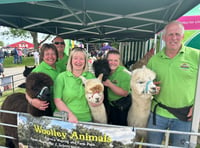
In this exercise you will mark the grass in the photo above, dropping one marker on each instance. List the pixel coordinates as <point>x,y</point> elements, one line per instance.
<point>8,62</point>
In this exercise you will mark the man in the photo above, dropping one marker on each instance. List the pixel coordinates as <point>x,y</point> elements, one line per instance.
<point>176,67</point>
<point>62,57</point>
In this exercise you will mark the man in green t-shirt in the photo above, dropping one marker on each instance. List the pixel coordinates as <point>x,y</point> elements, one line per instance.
<point>176,67</point>
<point>62,57</point>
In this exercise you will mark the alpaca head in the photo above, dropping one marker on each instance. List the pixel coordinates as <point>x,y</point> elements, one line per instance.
<point>101,66</point>
<point>28,70</point>
<point>142,81</point>
<point>38,85</point>
<point>94,90</point>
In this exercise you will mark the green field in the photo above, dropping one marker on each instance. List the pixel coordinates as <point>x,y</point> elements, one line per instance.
<point>8,62</point>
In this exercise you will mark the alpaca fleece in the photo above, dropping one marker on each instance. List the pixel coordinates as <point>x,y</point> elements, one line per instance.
<point>17,102</point>
<point>142,88</point>
<point>94,94</point>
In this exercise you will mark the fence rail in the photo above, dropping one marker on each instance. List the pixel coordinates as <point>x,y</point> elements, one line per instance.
<point>165,143</point>
<point>11,82</point>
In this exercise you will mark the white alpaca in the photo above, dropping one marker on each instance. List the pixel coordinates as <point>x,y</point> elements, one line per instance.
<point>94,94</point>
<point>142,89</point>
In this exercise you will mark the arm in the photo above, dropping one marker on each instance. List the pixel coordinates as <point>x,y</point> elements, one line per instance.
<point>117,90</point>
<point>37,103</point>
<point>60,105</point>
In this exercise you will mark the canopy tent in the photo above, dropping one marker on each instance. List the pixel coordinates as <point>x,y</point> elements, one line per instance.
<point>22,45</point>
<point>194,42</point>
<point>93,21</point>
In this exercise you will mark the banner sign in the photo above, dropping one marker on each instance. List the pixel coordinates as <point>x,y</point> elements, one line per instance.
<point>51,132</point>
<point>190,22</point>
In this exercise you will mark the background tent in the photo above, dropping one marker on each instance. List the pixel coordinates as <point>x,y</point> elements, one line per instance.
<point>191,19</point>
<point>194,42</point>
<point>22,45</point>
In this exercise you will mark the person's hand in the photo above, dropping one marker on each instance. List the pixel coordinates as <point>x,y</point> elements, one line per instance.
<point>72,118</point>
<point>189,115</point>
<point>157,87</point>
<point>41,105</point>
<point>106,82</point>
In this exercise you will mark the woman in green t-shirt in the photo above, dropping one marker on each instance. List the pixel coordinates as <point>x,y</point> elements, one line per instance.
<point>48,58</point>
<point>118,84</point>
<point>69,93</point>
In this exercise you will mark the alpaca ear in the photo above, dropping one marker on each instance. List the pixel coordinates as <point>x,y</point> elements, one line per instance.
<point>83,79</point>
<point>100,76</point>
<point>143,66</point>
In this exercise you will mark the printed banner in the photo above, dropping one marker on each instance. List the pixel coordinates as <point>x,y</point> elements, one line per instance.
<point>51,132</point>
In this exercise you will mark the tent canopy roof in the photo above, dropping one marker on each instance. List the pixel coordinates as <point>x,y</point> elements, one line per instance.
<point>94,20</point>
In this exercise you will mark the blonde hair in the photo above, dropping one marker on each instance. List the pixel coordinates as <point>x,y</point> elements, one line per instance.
<point>75,50</point>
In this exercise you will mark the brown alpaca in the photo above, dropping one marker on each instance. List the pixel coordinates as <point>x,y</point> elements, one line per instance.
<point>94,94</point>
<point>17,102</point>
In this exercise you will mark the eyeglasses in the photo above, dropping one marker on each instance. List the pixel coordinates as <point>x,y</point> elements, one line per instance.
<point>61,43</point>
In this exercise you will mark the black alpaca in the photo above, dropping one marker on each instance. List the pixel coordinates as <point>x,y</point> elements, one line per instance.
<point>102,66</point>
<point>38,85</point>
<point>26,72</point>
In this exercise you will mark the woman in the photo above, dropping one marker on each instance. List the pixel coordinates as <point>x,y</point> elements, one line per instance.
<point>118,84</point>
<point>48,58</point>
<point>69,93</point>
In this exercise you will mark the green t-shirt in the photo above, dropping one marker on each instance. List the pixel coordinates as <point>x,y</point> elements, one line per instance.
<point>62,63</point>
<point>53,73</point>
<point>71,90</point>
<point>178,77</point>
<point>121,79</point>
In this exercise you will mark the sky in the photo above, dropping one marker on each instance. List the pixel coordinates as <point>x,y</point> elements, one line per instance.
<point>8,41</point>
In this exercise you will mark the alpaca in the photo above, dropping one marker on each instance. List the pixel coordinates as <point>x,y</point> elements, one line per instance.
<point>102,66</point>
<point>26,72</point>
<point>142,61</point>
<point>38,86</point>
<point>142,89</point>
<point>94,94</point>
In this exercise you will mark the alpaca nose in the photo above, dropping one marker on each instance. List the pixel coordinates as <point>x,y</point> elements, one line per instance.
<point>97,99</point>
<point>154,88</point>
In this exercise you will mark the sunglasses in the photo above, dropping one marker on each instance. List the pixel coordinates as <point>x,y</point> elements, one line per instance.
<point>61,43</point>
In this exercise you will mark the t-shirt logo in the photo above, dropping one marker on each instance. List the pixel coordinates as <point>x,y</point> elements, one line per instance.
<point>184,66</point>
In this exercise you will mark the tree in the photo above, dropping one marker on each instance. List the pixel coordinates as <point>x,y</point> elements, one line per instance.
<point>19,33</point>
<point>1,44</point>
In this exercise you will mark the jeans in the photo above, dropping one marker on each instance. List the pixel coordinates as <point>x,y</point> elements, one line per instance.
<point>15,59</point>
<point>163,123</point>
